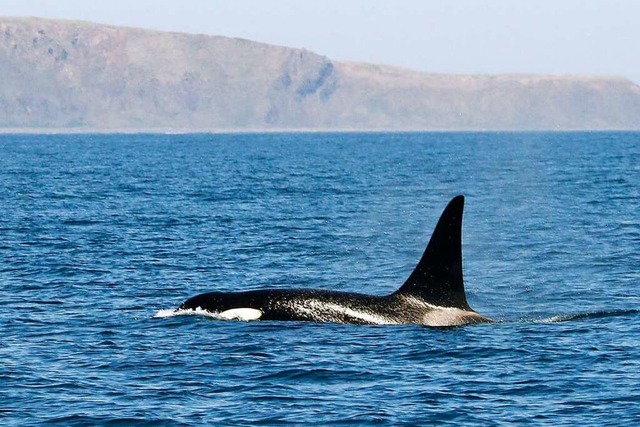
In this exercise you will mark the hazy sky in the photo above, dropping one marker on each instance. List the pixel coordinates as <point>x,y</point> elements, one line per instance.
<point>458,36</point>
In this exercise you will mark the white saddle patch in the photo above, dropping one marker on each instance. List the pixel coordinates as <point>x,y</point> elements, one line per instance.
<point>245,314</point>
<point>450,316</point>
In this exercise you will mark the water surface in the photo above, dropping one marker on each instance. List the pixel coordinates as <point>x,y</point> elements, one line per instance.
<point>101,232</point>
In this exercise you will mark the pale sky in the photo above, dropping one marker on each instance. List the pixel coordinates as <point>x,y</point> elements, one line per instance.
<point>591,37</point>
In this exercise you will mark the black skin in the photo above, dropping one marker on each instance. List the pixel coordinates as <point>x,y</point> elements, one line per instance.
<point>311,305</point>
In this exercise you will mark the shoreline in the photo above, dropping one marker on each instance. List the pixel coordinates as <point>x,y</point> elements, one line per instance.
<point>162,131</point>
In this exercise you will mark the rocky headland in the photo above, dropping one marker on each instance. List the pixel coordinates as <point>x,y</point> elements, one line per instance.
<point>72,75</point>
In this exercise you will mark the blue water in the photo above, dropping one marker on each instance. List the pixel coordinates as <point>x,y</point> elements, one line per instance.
<point>100,233</point>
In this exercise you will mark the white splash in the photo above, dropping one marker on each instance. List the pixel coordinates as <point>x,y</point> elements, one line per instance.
<point>166,312</point>
<point>244,314</point>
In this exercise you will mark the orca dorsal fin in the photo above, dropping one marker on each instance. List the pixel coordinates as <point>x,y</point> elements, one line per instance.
<point>437,279</point>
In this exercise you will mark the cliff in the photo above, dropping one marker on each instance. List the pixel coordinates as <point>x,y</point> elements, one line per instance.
<point>67,74</point>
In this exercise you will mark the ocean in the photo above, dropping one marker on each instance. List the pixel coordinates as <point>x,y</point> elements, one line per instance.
<point>102,234</point>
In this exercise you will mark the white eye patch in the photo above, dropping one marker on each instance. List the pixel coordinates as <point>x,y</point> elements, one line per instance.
<point>245,314</point>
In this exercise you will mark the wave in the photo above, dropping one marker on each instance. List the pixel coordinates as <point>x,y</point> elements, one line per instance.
<point>589,316</point>
<point>171,312</point>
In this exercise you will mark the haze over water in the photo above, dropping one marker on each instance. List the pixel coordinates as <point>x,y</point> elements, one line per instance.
<point>102,232</point>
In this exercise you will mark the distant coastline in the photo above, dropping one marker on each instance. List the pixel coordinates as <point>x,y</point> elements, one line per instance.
<point>77,77</point>
<point>156,131</point>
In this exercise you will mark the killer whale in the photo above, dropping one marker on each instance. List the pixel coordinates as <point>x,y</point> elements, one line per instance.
<point>432,295</point>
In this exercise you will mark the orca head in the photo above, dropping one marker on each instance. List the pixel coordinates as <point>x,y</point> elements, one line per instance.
<point>210,302</point>
<point>217,304</point>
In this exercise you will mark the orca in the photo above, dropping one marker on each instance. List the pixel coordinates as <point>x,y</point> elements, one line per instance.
<point>433,295</point>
